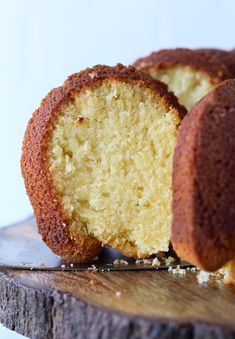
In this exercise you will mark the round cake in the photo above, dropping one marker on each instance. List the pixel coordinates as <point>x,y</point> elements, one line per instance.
<point>97,163</point>
<point>190,74</point>
<point>203,230</point>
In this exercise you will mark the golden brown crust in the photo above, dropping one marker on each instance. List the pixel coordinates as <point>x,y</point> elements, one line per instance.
<point>93,76</point>
<point>227,57</point>
<point>199,60</point>
<point>54,224</point>
<point>51,218</point>
<point>203,230</point>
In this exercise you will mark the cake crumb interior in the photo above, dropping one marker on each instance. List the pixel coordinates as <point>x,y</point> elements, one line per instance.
<point>188,84</point>
<point>110,158</point>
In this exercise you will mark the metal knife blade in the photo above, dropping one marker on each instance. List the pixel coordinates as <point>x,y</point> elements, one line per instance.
<point>21,247</point>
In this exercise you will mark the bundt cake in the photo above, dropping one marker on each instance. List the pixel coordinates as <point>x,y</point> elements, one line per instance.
<point>190,74</point>
<point>203,230</point>
<point>97,163</point>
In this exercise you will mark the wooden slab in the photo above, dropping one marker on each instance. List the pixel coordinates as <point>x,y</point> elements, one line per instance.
<point>136,304</point>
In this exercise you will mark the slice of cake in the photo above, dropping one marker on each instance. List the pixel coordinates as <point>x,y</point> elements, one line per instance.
<point>189,74</point>
<point>97,163</point>
<point>203,231</point>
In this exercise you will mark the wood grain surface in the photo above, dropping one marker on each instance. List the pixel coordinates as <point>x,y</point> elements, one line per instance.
<point>79,305</point>
<point>136,304</point>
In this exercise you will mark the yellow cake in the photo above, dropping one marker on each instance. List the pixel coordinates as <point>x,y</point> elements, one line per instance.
<point>97,163</point>
<point>189,74</point>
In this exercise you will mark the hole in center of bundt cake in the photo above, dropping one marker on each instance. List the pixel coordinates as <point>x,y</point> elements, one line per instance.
<point>187,83</point>
<point>111,161</point>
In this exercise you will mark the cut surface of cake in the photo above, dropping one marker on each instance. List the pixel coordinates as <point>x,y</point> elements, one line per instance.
<point>203,231</point>
<point>189,74</point>
<point>97,163</point>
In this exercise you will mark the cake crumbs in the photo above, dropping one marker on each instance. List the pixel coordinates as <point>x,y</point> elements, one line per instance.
<point>203,277</point>
<point>156,262</point>
<point>118,293</point>
<point>151,262</point>
<point>169,260</point>
<point>147,261</point>
<point>91,270</point>
<point>120,262</point>
<point>138,261</point>
<point>143,261</point>
<point>228,273</point>
<point>178,270</point>
<point>41,263</point>
<point>222,276</point>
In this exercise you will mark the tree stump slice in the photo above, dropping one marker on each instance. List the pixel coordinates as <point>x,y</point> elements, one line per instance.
<point>152,304</point>
<point>107,305</point>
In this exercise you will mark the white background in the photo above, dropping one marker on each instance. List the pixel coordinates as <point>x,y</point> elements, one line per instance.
<point>43,41</point>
